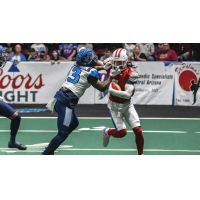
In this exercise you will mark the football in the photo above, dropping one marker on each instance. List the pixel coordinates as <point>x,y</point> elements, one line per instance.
<point>115,86</point>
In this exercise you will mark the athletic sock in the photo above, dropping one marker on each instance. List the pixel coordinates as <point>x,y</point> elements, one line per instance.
<point>117,134</point>
<point>14,126</point>
<point>55,143</point>
<point>139,139</point>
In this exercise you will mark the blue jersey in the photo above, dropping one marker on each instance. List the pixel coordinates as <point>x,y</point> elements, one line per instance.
<point>77,79</point>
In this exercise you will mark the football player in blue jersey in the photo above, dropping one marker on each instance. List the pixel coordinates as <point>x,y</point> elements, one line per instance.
<point>9,112</point>
<point>80,77</point>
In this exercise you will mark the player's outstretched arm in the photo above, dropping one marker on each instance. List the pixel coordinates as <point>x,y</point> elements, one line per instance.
<point>105,65</point>
<point>122,94</point>
<point>101,86</point>
<point>99,65</point>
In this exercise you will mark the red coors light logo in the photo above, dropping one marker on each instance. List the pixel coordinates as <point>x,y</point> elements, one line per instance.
<point>28,84</point>
<point>7,80</point>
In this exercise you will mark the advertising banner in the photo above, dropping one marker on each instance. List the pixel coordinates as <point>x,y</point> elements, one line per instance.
<point>37,83</point>
<point>155,83</point>
<point>187,83</point>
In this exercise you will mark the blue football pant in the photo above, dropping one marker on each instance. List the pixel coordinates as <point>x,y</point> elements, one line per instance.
<point>67,121</point>
<point>8,111</point>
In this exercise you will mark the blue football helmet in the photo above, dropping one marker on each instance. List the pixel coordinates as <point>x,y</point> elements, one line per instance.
<point>86,57</point>
<point>3,57</point>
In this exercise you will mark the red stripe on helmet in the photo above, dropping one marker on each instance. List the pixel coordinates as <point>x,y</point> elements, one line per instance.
<point>107,62</point>
<point>116,52</point>
<point>119,53</point>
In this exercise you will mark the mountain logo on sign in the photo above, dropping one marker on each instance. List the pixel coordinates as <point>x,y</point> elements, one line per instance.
<point>13,69</point>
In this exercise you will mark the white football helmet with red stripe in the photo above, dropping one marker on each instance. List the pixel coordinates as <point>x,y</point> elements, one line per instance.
<point>120,58</point>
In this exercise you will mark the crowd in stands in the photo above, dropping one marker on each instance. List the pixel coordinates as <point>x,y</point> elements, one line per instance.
<point>57,52</point>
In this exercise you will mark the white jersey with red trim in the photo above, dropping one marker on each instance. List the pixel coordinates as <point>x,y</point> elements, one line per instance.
<point>128,76</point>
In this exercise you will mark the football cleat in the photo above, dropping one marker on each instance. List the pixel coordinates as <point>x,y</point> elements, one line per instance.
<point>22,147</point>
<point>17,145</point>
<point>106,137</point>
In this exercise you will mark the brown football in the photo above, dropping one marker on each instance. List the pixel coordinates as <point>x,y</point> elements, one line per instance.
<point>115,86</point>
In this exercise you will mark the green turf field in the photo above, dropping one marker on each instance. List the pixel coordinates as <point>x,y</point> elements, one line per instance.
<point>162,137</point>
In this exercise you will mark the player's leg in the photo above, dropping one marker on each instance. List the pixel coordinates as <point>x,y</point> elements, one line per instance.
<point>9,112</point>
<point>118,132</point>
<point>67,121</point>
<point>132,119</point>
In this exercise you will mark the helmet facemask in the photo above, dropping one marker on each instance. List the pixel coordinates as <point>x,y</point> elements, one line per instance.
<point>121,64</point>
<point>3,60</point>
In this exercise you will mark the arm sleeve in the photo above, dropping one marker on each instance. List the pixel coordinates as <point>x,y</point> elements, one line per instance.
<point>122,94</point>
<point>94,73</point>
<point>133,77</point>
<point>10,59</point>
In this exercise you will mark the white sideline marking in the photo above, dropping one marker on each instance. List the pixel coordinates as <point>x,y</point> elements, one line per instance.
<point>34,131</point>
<point>88,129</point>
<point>33,148</point>
<point>162,131</point>
<point>131,150</point>
<point>108,118</point>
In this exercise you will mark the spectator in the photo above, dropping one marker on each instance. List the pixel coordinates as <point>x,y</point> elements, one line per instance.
<point>167,54</point>
<point>107,55</point>
<point>52,47</point>
<point>8,54</point>
<point>42,49</point>
<point>129,48</point>
<point>9,50</point>
<point>32,55</point>
<point>10,47</point>
<point>138,56</point>
<point>86,45</point>
<point>17,57</point>
<point>56,57</point>
<point>183,51</point>
<point>147,49</point>
<point>37,46</point>
<point>43,57</point>
<point>196,51</point>
<point>158,49</point>
<point>68,51</point>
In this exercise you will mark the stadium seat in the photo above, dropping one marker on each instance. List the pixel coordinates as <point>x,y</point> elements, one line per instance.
<point>100,52</point>
<point>25,52</point>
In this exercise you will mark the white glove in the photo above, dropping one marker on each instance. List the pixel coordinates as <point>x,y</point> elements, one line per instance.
<point>107,63</point>
<point>115,71</point>
<point>1,99</point>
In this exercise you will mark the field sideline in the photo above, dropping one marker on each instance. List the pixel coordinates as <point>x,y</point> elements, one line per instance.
<point>163,136</point>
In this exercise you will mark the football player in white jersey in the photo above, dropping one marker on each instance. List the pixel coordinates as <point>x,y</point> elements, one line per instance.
<point>119,103</point>
<point>81,76</point>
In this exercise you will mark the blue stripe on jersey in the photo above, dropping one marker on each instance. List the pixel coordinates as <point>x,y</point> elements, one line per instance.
<point>131,82</point>
<point>94,73</point>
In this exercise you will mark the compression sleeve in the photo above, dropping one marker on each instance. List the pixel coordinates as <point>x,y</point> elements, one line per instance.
<point>133,77</point>
<point>122,94</point>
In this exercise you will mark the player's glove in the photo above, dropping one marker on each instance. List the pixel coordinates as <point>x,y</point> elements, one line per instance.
<point>1,99</point>
<point>115,71</point>
<point>107,63</point>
